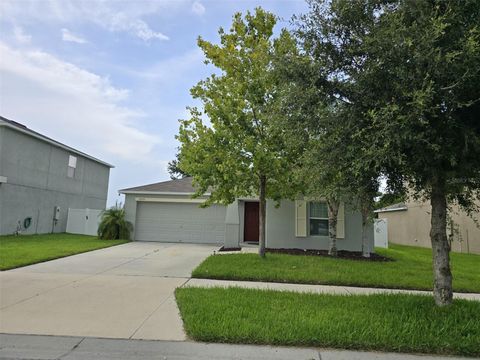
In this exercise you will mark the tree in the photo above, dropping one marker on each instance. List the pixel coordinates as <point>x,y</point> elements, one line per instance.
<point>174,169</point>
<point>348,175</point>
<point>321,168</point>
<point>409,70</point>
<point>322,129</point>
<point>389,198</point>
<point>241,153</point>
<point>113,225</point>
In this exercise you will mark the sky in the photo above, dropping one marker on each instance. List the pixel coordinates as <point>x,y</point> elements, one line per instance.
<point>112,78</point>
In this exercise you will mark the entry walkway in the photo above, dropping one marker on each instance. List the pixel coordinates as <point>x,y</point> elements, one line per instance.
<point>317,289</point>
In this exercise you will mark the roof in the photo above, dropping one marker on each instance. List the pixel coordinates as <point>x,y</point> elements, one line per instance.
<point>395,207</point>
<point>25,130</point>
<point>177,186</point>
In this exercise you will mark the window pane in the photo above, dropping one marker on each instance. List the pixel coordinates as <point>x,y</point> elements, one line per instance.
<point>72,161</point>
<point>318,210</point>
<point>318,227</point>
<point>70,172</point>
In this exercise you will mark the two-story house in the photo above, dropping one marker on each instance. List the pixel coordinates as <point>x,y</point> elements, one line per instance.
<point>40,179</point>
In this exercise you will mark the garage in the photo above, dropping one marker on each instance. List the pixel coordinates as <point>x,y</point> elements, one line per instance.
<point>181,222</point>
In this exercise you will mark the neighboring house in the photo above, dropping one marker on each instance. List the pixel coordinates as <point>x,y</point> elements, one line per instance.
<point>409,224</point>
<point>40,179</point>
<point>166,212</point>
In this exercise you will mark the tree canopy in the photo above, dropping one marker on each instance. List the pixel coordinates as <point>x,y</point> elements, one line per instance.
<point>238,149</point>
<point>408,73</point>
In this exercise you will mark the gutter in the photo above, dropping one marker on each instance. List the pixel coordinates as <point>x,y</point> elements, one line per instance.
<point>158,193</point>
<point>390,210</point>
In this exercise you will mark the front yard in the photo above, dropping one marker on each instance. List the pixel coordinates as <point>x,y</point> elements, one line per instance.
<point>16,251</point>
<point>411,269</point>
<point>401,323</point>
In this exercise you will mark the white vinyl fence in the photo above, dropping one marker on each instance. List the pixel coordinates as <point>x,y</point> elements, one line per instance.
<point>83,221</point>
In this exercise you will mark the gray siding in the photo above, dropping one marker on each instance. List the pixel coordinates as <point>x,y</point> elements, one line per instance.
<point>280,230</point>
<point>37,182</point>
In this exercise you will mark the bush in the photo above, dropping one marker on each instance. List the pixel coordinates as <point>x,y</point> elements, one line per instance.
<point>113,225</point>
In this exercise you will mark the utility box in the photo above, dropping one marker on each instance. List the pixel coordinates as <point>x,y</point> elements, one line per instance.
<point>56,213</point>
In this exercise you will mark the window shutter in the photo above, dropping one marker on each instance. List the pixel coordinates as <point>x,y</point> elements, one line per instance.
<point>341,221</point>
<point>300,218</point>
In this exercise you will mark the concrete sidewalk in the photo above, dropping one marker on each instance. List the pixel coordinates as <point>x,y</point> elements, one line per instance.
<point>37,347</point>
<point>317,289</point>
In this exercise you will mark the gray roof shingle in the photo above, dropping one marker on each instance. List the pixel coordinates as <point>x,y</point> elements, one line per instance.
<point>172,186</point>
<point>395,207</point>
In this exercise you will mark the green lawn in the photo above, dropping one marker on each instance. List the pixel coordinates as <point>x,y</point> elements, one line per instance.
<point>16,251</point>
<point>401,323</point>
<point>412,269</point>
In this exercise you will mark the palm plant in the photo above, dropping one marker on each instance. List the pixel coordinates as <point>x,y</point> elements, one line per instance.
<point>113,225</point>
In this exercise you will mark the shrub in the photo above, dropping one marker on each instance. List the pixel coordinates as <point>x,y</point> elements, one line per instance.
<point>113,225</point>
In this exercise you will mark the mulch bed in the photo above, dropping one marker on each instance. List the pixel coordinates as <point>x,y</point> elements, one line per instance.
<point>223,248</point>
<point>341,254</point>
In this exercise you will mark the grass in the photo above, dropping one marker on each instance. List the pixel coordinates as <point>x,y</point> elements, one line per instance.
<point>400,323</point>
<point>16,251</point>
<point>412,269</point>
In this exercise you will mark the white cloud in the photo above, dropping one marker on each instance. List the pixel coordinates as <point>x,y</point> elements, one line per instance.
<point>115,16</point>
<point>121,22</point>
<point>68,36</point>
<point>73,105</point>
<point>21,36</point>
<point>198,8</point>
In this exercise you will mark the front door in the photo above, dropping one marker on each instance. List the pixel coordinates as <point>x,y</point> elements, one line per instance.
<point>251,222</point>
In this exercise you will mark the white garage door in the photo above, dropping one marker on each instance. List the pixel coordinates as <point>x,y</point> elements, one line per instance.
<point>180,222</point>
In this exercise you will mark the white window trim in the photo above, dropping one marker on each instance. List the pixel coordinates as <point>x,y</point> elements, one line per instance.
<point>317,218</point>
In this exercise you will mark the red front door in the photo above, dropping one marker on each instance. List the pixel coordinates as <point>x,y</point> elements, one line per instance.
<point>251,222</point>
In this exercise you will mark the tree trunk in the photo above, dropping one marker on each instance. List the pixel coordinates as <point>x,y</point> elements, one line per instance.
<point>333,206</point>
<point>366,210</point>
<point>442,288</point>
<point>263,203</point>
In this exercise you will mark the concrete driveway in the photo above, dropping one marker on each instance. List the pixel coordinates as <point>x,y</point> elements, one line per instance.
<point>125,291</point>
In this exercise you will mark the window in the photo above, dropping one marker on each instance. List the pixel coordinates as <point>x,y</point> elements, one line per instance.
<point>318,218</point>
<point>72,165</point>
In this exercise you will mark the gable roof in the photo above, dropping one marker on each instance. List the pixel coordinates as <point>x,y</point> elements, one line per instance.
<point>395,207</point>
<point>177,186</point>
<point>25,130</point>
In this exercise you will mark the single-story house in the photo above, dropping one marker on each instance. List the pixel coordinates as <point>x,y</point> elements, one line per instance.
<point>166,212</point>
<point>409,223</point>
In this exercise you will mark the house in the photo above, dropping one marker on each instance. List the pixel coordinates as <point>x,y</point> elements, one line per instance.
<point>40,179</point>
<point>409,224</point>
<point>166,212</point>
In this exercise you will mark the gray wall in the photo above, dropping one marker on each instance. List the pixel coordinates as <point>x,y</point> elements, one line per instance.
<point>37,182</point>
<point>131,211</point>
<point>280,230</point>
<point>280,227</point>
